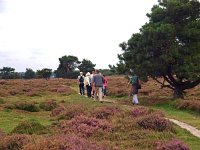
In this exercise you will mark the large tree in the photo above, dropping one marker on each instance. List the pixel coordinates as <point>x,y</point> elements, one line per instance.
<point>7,73</point>
<point>44,73</point>
<point>29,74</point>
<point>67,66</point>
<point>86,66</point>
<point>168,46</point>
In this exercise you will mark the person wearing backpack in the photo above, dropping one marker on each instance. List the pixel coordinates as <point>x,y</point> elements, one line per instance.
<point>135,82</point>
<point>81,83</point>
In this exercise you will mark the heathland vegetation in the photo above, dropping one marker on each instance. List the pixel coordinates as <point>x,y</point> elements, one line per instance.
<point>49,114</point>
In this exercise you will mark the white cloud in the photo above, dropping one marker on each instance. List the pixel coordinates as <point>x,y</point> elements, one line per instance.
<point>38,32</point>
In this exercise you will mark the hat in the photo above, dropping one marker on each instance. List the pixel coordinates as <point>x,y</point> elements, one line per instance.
<point>88,74</point>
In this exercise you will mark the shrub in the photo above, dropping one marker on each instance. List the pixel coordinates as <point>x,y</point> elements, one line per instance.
<point>189,104</point>
<point>105,112</point>
<point>2,101</point>
<point>57,111</point>
<point>28,106</point>
<point>155,122</point>
<point>71,111</point>
<point>139,111</point>
<point>173,145</point>
<point>86,126</point>
<point>63,89</point>
<point>30,127</point>
<point>32,93</point>
<point>65,142</point>
<point>14,142</point>
<point>48,105</point>
<point>2,133</point>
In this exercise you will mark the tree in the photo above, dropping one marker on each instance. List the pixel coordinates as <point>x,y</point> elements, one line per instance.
<point>44,73</point>
<point>86,66</point>
<point>168,46</point>
<point>67,65</point>
<point>29,74</point>
<point>7,73</point>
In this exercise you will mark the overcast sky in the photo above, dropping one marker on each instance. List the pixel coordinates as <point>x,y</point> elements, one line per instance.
<point>35,33</point>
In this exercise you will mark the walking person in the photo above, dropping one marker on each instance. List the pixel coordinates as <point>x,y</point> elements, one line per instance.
<point>134,81</point>
<point>105,84</point>
<point>97,82</point>
<point>93,89</point>
<point>81,83</point>
<point>87,83</point>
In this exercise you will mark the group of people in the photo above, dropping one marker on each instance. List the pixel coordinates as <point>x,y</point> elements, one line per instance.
<point>95,84</point>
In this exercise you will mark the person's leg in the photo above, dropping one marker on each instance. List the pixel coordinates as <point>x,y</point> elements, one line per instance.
<point>80,90</point>
<point>100,94</point>
<point>95,93</point>
<point>105,90</point>
<point>89,91</point>
<point>135,99</point>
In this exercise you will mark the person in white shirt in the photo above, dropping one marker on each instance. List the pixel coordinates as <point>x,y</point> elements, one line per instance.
<point>87,83</point>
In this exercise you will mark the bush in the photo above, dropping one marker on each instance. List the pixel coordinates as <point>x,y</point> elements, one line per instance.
<point>30,127</point>
<point>57,111</point>
<point>86,126</point>
<point>139,111</point>
<point>48,105</point>
<point>13,142</point>
<point>65,142</point>
<point>28,106</point>
<point>70,111</point>
<point>189,104</point>
<point>173,145</point>
<point>2,101</point>
<point>2,133</point>
<point>105,112</point>
<point>155,122</point>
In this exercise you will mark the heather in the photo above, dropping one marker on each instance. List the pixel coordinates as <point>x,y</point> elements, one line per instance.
<point>193,105</point>
<point>30,127</point>
<point>52,115</point>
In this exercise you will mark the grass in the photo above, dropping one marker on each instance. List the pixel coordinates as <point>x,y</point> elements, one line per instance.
<point>126,132</point>
<point>192,141</point>
<point>11,118</point>
<point>185,116</point>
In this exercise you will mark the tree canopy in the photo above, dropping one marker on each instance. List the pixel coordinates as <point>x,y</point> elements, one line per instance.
<point>168,46</point>
<point>86,66</point>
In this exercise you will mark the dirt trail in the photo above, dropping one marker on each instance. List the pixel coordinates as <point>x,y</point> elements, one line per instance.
<point>188,127</point>
<point>183,125</point>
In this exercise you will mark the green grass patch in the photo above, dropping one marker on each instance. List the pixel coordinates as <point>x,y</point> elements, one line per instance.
<point>185,116</point>
<point>11,118</point>
<point>185,136</point>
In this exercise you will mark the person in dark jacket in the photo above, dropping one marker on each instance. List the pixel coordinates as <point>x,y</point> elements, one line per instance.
<point>97,82</point>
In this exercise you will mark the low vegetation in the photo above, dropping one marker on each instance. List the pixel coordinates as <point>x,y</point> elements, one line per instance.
<point>66,120</point>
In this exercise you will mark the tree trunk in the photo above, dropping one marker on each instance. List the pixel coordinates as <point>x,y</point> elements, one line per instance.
<point>178,93</point>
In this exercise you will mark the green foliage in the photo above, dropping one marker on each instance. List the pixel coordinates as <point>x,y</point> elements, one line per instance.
<point>86,66</point>
<point>7,73</point>
<point>27,106</point>
<point>48,105</point>
<point>44,73</point>
<point>30,127</point>
<point>29,74</point>
<point>167,46</point>
<point>67,66</point>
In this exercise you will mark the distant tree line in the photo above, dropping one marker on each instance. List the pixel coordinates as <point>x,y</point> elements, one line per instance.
<point>69,67</point>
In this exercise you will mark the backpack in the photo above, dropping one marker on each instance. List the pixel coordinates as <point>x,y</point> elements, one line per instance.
<point>81,79</point>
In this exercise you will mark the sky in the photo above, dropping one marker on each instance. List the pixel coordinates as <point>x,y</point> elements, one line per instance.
<point>36,33</point>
